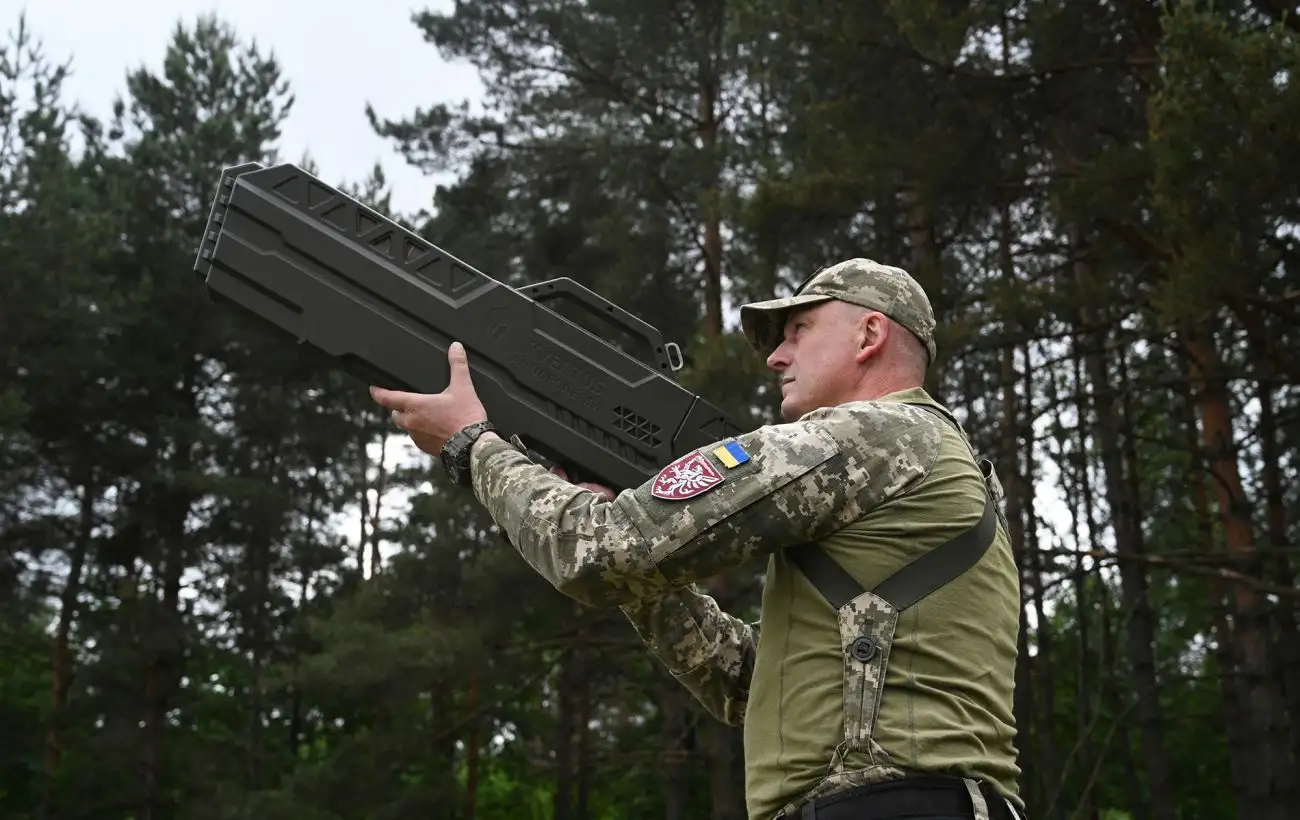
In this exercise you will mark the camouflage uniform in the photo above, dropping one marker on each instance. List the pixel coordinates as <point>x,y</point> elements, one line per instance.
<point>834,475</point>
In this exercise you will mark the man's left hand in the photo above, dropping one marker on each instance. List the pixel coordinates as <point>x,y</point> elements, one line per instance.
<point>432,418</point>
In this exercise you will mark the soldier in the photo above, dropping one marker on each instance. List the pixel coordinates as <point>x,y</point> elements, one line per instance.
<point>882,684</point>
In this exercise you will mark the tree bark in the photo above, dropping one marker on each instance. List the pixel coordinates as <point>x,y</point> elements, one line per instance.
<point>709,128</point>
<point>726,790</point>
<point>562,807</point>
<point>1126,526</point>
<point>1285,613</point>
<point>1123,747</point>
<point>1049,764</point>
<point>61,674</point>
<point>672,705</point>
<point>441,716</point>
<point>255,763</point>
<point>1086,683</point>
<point>1239,741</point>
<point>369,561</point>
<point>1032,738</point>
<point>256,577</point>
<point>584,697</point>
<point>169,512</point>
<point>1268,791</point>
<point>165,667</point>
<point>925,269</point>
<point>471,748</point>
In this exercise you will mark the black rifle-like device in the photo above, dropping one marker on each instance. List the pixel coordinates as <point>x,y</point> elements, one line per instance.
<point>383,304</point>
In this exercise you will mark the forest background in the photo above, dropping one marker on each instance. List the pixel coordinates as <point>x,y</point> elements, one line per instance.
<point>228,591</point>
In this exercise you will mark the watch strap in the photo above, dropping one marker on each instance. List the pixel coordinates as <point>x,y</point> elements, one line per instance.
<point>455,453</point>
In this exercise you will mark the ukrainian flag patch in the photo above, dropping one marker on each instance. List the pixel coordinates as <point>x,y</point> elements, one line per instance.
<point>731,454</point>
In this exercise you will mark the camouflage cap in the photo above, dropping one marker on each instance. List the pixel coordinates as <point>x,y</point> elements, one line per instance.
<point>862,282</point>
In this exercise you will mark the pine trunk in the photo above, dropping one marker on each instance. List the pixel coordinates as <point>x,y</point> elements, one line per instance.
<point>1239,741</point>
<point>1086,710</point>
<point>726,792</point>
<point>672,705</point>
<point>1049,764</point>
<point>1268,790</point>
<point>1286,627</point>
<point>925,269</point>
<point>1129,544</point>
<point>709,129</point>
<point>562,807</point>
<point>165,667</point>
<point>61,673</point>
<point>1119,742</point>
<point>1086,714</point>
<point>369,561</point>
<point>471,748</point>
<point>1032,737</point>
<point>584,697</point>
<point>254,627</point>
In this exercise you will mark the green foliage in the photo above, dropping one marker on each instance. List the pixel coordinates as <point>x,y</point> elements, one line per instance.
<point>1224,170</point>
<point>24,711</point>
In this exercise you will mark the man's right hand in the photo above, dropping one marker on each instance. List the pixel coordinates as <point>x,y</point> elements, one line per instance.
<point>586,485</point>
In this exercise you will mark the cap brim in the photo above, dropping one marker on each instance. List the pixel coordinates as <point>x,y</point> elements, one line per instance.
<point>762,322</point>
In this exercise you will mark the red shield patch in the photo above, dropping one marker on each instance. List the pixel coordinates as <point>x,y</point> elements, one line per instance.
<point>686,477</point>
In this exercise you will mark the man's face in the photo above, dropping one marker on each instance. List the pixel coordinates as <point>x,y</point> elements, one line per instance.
<point>817,358</point>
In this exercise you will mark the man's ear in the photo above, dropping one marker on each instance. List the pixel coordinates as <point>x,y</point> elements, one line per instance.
<point>870,336</point>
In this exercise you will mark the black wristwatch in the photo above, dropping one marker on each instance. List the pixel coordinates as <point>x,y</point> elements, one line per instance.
<point>455,453</point>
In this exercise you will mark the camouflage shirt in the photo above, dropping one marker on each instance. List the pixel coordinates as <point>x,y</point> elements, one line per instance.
<point>802,481</point>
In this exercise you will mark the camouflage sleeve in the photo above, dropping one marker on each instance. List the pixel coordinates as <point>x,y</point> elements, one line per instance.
<point>709,511</point>
<point>708,651</point>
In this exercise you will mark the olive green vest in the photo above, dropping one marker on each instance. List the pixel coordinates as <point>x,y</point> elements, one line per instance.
<point>818,719</point>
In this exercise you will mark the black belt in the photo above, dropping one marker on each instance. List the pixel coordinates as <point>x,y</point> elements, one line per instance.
<point>913,797</point>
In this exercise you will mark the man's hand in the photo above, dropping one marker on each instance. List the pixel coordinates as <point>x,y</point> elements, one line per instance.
<point>586,485</point>
<point>432,418</point>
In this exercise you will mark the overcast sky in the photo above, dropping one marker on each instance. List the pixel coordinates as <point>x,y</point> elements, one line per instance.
<point>338,56</point>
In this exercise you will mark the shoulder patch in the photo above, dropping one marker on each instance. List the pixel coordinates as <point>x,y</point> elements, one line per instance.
<point>687,477</point>
<point>668,516</point>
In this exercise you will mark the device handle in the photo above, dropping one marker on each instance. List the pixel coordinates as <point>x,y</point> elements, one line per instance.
<point>657,353</point>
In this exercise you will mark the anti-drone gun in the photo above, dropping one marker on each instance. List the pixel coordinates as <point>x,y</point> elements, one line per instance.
<point>377,301</point>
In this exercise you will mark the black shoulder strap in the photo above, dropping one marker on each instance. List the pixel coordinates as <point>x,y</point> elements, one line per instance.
<point>917,579</point>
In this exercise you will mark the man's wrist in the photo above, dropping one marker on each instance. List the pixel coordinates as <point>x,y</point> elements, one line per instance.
<point>458,451</point>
